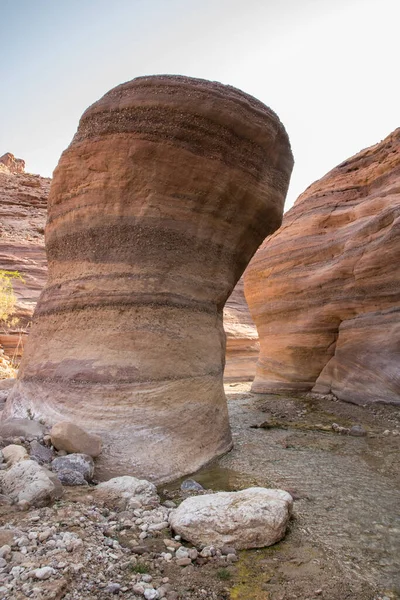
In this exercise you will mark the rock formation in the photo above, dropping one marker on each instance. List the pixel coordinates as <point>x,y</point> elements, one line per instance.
<point>242,346</point>
<point>23,213</point>
<point>23,203</point>
<point>156,207</point>
<point>324,289</point>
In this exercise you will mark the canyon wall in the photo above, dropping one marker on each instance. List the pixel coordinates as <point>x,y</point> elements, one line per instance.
<point>324,290</point>
<point>156,207</point>
<point>23,209</point>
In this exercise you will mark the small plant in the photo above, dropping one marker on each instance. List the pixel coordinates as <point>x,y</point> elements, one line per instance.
<point>7,296</point>
<point>139,568</point>
<point>224,574</point>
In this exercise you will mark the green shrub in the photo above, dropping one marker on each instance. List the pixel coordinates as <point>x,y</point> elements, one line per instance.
<point>7,295</point>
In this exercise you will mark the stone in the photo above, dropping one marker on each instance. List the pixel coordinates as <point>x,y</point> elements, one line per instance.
<point>151,594</point>
<point>197,174</point>
<point>123,490</point>
<point>183,562</point>
<point>242,344</point>
<point>251,518</point>
<point>14,454</point>
<point>5,388</point>
<point>13,165</point>
<point>44,573</point>
<point>189,485</point>
<point>28,482</point>
<point>23,202</point>
<point>42,454</point>
<point>21,427</point>
<point>323,290</point>
<point>357,431</point>
<point>71,438</point>
<point>71,477</point>
<point>82,463</point>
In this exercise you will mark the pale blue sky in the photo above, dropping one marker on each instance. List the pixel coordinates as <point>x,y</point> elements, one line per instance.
<point>329,68</point>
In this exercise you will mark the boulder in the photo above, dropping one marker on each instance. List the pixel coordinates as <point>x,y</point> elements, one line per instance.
<point>42,454</point>
<point>28,482</point>
<point>71,438</point>
<point>127,492</point>
<point>21,428</point>
<point>14,453</point>
<point>81,463</point>
<point>156,207</point>
<point>71,478</point>
<point>251,518</point>
<point>324,289</point>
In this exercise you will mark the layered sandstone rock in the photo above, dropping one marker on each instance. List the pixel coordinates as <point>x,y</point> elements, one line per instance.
<point>23,203</point>
<point>324,290</point>
<point>242,345</point>
<point>156,207</point>
<point>23,211</point>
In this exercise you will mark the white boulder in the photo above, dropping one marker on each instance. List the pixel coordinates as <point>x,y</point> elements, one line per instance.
<point>251,518</point>
<point>127,492</point>
<point>27,482</point>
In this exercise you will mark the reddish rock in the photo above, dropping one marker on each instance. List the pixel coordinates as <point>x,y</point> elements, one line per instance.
<point>324,289</point>
<point>242,345</point>
<point>23,210</point>
<point>156,207</point>
<point>23,203</point>
<point>11,164</point>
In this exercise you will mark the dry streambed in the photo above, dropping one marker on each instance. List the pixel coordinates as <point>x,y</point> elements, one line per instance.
<point>342,542</point>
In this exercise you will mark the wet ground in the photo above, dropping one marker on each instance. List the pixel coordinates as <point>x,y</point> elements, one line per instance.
<point>344,539</point>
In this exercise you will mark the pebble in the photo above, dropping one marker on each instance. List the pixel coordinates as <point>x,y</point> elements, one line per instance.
<point>44,573</point>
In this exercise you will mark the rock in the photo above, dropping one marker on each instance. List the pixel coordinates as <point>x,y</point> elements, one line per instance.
<point>23,202</point>
<point>71,477</point>
<point>357,431</point>
<point>82,463</point>
<point>28,482</point>
<point>5,387</point>
<point>14,454</point>
<point>156,248</point>
<point>71,438</point>
<point>323,290</point>
<point>189,485</point>
<point>123,490</point>
<point>113,588</point>
<point>44,573</point>
<point>151,594</point>
<point>251,518</point>
<point>183,562</point>
<point>42,454</point>
<point>242,344</point>
<point>13,165</point>
<point>21,427</point>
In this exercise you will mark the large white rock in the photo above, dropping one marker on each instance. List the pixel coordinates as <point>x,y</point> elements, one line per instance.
<point>27,481</point>
<point>125,491</point>
<point>251,518</point>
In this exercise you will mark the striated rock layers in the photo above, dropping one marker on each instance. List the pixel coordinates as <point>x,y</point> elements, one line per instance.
<point>23,203</point>
<point>324,290</point>
<point>242,345</point>
<point>167,189</point>
<point>23,211</point>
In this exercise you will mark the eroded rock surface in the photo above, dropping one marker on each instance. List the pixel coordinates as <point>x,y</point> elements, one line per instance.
<point>324,290</point>
<point>242,345</point>
<point>23,202</point>
<point>167,189</point>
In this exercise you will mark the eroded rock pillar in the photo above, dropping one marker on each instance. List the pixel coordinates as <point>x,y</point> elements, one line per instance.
<point>156,207</point>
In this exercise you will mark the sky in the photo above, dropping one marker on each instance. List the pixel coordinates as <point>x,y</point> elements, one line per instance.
<point>328,68</point>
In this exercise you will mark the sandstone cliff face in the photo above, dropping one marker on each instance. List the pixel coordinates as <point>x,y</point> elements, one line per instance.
<point>23,204</point>
<point>156,207</point>
<point>242,345</point>
<point>324,290</point>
